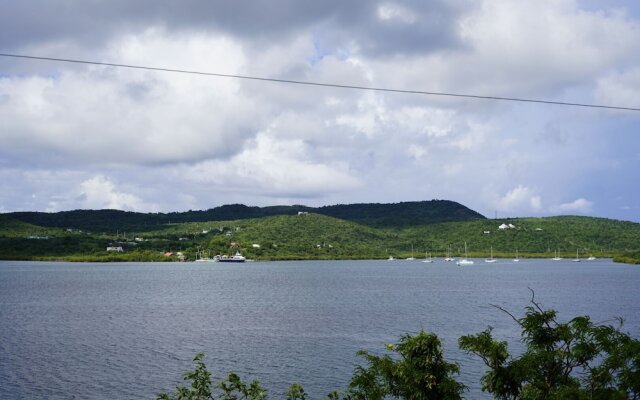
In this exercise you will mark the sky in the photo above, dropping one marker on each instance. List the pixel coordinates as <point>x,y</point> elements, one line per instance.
<point>92,137</point>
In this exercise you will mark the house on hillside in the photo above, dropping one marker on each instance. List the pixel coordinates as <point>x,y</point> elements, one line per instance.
<point>117,249</point>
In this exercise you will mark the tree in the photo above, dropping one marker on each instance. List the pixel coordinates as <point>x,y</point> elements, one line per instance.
<point>419,373</point>
<point>230,388</point>
<point>576,359</point>
<point>296,392</point>
<point>200,379</point>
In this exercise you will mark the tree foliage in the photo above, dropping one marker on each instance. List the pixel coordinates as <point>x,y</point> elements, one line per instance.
<point>576,359</point>
<point>230,388</point>
<point>418,372</point>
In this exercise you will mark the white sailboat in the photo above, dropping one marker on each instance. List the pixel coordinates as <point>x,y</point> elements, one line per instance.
<point>591,258</point>
<point>448,257</point>
<point>556,258</point>
<point>577,259</point>
<point>427,258</point>
<point>517,259</point>
<point>490,259</point>
<point>391,258</point>
<point>412,257</point>
<point>464,261</point>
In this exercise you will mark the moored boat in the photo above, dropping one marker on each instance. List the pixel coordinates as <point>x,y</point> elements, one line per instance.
<point>238,258</point>
<point>577,259</point>
<point>465,261</point>
<point>427,258</point>
<point>490,259</point>
<point>448,257</point>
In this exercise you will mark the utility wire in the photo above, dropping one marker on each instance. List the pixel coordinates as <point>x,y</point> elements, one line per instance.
<point>310,83</point>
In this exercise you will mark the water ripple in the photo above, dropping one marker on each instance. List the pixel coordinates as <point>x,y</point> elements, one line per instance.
<point>129,331</point>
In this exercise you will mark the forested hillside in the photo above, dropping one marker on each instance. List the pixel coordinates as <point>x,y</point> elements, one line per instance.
<point>372,214</point>
<point>315,236</point>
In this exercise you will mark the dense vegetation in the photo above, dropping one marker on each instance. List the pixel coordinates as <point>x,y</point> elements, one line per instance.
<point>314,236</point>
<point>401,215</point>
<point>533,236</point>
<point>576,359</point>
<point>629,257</point>
<point>379,215</point>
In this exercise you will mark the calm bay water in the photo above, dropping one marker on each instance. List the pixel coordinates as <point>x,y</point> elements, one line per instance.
<point>128,331</point>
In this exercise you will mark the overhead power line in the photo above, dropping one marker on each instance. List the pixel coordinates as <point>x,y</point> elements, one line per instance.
<point>322,84</point>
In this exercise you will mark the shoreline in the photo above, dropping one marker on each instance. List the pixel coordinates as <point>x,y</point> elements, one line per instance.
<point>478,260</point>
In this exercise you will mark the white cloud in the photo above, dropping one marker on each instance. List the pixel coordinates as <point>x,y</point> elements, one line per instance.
<point>186,141</point>
<point>580,206</point>
<point>99,193</point>
<point>561,45</point>
<point>274,168</point>
<point>416,151</point>
<point>110,115</point>
<point>520,199</point>
<point>620,89</point>
<point>433,122</point>
<point>395,12</point>
<point>521,49</point>
<point>368,117</point>
<point>472,138</point>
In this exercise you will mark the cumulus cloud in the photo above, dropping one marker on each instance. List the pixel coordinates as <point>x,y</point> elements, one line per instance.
<point>579,206</point>
<point>121,116</point>
<point>176,141</point>
<point>274,168</point>
<point>507,51</point>
<point>521,199</point>
<point>620,88</point>
<point>391,12</point>
<point>99,193</point>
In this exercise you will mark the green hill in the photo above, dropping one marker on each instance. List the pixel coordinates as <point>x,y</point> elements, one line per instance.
<point>537,236</point>
<point>316,236</point>
<point>11,227</point>
<point>310,236</point>
<point>400,215</point>
<point>378,215</point>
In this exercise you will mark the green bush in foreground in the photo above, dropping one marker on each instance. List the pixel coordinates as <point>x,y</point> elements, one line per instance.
<point>572,360</point>
<point>563,360</point>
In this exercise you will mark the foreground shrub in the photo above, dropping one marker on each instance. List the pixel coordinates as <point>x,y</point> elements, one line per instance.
<point>562,360</point>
